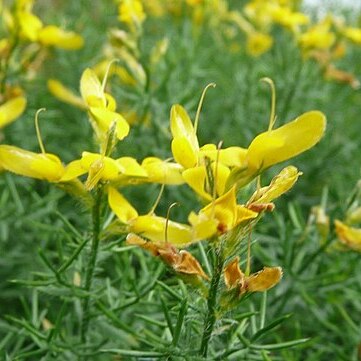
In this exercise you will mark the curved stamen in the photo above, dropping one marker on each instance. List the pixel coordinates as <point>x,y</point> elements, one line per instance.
<point>167,221</point>
<point>273,117</point>
<point>106,76</point>
<point>38,134</point>
<point>196,121</point>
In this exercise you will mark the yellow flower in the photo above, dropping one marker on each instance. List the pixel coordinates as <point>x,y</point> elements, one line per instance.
<point>275,146</point>
<point>287,141</point>
<point>162,172</point>
<point>349,236</point>
<point>53,36</point>
<point>319,36</point>
<point>11,110</point>
<point>353,34</point>
<point>101,106</point>
<point>123,170</point>
<point>131,12</point>
<point>225,211</point>
<point>43,166</point>
<point>288,18</point>
<point>258,43</point>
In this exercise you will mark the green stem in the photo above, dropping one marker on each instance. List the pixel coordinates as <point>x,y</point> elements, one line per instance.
<point>212,302</point>
<point>91,265</point>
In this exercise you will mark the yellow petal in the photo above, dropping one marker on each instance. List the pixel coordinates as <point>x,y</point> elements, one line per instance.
<point>73,170</point>
<point>110,169</point>
<point>279,185</point>
<point>233,276</point>
<point>181,125</point>
<point>203,226</point>
<point>162,172</point>
<point>183,152</point>
<point>231,157</point>
<point>182,128</point>
<point>350,236</point>
<point>131,167</point>
<point>153,228</point>
<point>263,280</point>
<point>224,209</point>
<point>291,139</point>
<point>91,89</point>
<point>30,25</point>
<point>197,179</point>
<point>120,206</point>
<point>11,110</point>
<point>53,36</point>
<point>105,118</point>
<point>64,94</point>
<point>353,34</point>
<point>41,166</point>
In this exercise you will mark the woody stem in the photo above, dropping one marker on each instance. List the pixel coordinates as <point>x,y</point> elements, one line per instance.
<point>210,319</point>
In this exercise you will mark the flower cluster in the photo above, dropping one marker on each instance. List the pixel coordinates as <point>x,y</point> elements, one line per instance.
<point>214,174</point>
<point>24,39</point>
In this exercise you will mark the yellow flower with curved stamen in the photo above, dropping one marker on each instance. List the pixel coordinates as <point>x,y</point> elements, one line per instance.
<point>11,110</point>
<point>286,142</point>
<point>275,146</point>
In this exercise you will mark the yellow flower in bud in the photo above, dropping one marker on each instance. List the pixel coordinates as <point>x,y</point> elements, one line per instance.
<point>258,43</point>
<point>185,145</point>
<point>11,110</point>
<point>349,236</point>
<point>101,108</point>
<point>279,185</point>
<point>160,171</point>
<point>53,36</point>
<point>43,166</point>
<point>257,282</point>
